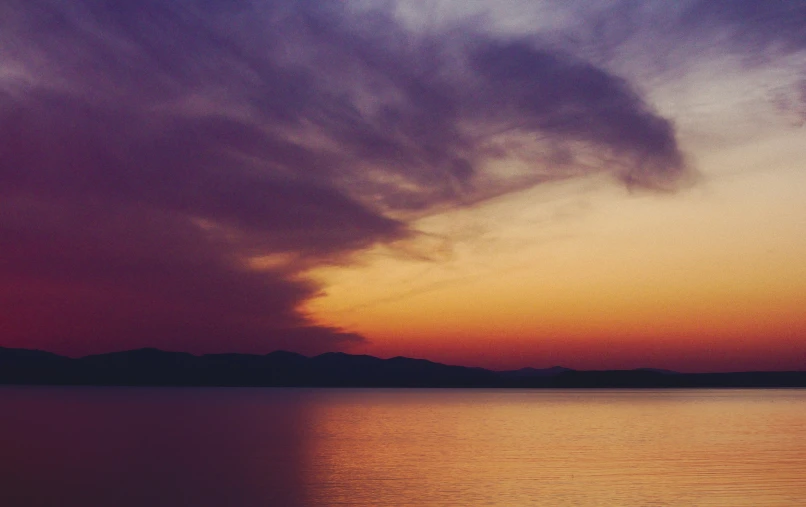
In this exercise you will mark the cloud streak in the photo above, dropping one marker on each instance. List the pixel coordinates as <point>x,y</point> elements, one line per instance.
<point>152,153</point>
<point>663,35</point>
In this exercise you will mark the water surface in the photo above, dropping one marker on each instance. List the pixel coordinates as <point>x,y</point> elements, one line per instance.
<point>321,447</point>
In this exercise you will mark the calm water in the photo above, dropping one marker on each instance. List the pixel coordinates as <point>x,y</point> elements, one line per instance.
<point>305,447</point>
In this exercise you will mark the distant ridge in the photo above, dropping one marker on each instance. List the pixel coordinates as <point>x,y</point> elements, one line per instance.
<point>155,367</point>
<point>535,372</point>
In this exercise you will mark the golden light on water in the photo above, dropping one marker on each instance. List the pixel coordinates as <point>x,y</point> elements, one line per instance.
<point>584,448</point>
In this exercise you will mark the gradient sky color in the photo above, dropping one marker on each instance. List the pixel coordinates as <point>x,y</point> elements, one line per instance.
<point>608,184</point>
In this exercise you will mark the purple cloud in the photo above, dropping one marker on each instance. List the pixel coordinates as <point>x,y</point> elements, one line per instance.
<point>151,150</point>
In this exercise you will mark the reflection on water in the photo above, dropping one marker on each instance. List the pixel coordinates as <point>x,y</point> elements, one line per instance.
<point>306,447</point>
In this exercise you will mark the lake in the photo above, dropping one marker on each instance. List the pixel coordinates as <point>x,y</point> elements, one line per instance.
<point>73,446</point>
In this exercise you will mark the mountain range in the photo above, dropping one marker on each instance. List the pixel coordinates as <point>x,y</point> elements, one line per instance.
<point>154,367</point>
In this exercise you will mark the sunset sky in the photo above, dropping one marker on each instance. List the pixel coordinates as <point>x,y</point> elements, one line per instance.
<point>510,183</point>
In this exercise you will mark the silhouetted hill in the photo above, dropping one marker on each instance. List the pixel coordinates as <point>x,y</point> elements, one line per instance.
<point>534,372</point>
<point>154,367</point>
<point>23,366</point>
<point>18,356</point>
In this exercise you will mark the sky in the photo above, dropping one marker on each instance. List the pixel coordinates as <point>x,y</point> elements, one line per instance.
<point>592,184</point>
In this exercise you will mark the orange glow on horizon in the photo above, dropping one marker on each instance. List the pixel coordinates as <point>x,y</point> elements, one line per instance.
<point>639,281</point>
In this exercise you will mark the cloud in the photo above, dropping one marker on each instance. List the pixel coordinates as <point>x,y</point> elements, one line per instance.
<point>665,36</point>
<point>571,100</point>
<point>90,276</point>
<point>153,152</point>
<point>763,27</point>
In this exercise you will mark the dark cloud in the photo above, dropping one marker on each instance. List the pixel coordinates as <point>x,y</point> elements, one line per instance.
<point>567,99</point>
<point>91,276</point>
<point>153,152</point>
<point>209,167</point>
